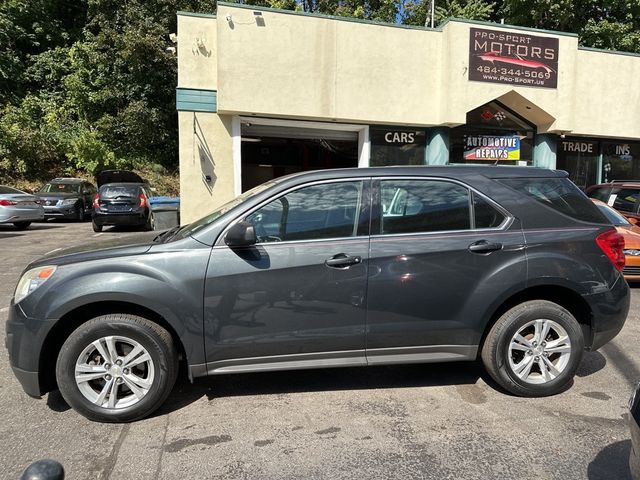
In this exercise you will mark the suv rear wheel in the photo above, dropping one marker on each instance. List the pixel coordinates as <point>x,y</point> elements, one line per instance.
<point>117,368</point>
<point>534,349</point>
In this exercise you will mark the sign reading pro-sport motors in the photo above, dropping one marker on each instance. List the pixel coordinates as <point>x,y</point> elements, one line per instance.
<point>514,58</point>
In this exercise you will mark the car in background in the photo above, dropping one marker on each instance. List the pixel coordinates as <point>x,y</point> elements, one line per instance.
<point>19,208</point>
<point>513,266</point>
<point>122,200</point>
<point>623,195</point>
<point>631,234</point>
<point>69,198</point>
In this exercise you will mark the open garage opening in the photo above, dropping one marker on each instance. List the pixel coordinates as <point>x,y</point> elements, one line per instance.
<point>270,150</point>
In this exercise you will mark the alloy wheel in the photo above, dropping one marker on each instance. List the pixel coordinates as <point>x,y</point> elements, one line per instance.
<point>539,351</point>
<point>114,372</point>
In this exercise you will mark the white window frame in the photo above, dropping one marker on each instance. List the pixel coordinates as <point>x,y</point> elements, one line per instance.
<point>364,144</point>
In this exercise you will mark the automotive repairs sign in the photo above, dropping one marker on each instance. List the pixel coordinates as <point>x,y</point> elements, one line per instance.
<point>514,58</point>
<point>487,147</point>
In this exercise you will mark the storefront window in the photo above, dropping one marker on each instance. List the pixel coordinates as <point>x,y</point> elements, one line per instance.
<point>620,161</point>
<point>392,146</point>
<point>493,134</point>
<point>580,158</point>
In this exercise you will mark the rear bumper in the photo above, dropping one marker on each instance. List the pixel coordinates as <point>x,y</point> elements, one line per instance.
<point>13,215</point>
<point>610,311</point>
<point>123,219</point>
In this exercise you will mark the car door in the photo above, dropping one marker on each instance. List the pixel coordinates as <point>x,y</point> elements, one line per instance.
<point>297,297</point>
<point>439,252</point>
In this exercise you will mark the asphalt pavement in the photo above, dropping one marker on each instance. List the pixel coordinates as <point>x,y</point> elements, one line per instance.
<point>434,421</point>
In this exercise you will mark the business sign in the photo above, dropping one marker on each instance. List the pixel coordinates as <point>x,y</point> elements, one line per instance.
<point>579,146</point>
<point>379,136</point>
<point>514,58</point>
<point>489,147</point>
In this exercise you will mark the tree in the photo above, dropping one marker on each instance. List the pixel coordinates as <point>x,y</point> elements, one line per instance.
<point>417,12</point>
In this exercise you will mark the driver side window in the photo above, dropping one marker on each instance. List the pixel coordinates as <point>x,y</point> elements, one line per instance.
<point>330,210</point>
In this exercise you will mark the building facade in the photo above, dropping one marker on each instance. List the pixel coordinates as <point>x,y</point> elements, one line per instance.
<point>264,93</point>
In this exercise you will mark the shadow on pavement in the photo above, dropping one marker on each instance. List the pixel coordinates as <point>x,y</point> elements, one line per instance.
<point>592,362</point>
<point>296,381</point>
<point>612,462</point>
<point>4,234</point>
<point>56,403</point>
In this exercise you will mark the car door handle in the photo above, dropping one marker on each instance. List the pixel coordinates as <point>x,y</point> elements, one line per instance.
<point>342,260</point>
<point>483,246</point>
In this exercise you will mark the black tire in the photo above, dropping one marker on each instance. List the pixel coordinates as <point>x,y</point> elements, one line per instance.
<point>153,338</point>
<point>96,228</point>
<point>21,225</point>
<point>79,213</point>
<point>151,222</point>
<point>495,351</point>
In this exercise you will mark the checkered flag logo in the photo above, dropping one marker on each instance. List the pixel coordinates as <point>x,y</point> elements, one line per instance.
<point>500,116</point>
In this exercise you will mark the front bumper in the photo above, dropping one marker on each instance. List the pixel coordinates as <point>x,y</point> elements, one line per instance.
<point>24,339</point>
<point>610,311</point>
<point>65,211</point>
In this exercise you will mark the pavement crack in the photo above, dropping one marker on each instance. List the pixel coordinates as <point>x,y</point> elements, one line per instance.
<point>111,460</point>
<point>164,441</point>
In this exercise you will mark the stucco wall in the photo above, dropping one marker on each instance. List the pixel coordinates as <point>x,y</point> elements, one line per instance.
<point>197,52</point>
<point>205,149</point>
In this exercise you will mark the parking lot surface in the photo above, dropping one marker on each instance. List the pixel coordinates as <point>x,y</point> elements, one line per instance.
<point>430,421</point>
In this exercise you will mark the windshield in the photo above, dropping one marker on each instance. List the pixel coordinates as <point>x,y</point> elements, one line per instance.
<point>198,225</point>
<point>60,188</point>
<point>613,216</point>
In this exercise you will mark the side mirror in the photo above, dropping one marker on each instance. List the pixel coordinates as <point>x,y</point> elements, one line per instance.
<point>632,220</point>
<point>242,234</point>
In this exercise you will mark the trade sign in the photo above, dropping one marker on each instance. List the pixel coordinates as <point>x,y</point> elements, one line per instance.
<point>490,147</point>
<point>515,58</point>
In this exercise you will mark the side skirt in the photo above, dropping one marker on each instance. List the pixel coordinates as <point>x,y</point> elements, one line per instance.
<point>351,358</point>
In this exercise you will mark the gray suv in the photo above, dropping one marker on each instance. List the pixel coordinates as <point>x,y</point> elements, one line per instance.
<point>334,268</point>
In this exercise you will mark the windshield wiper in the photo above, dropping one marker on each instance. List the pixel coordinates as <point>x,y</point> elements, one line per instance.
<point>168,234</point>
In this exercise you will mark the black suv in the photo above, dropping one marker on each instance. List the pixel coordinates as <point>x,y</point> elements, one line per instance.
<point>332,268</point>
<point>69,198</point>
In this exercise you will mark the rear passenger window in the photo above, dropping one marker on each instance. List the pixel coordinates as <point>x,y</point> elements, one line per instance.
<point>486,215</point>
<point>559,194</point>
<point>415,206</point>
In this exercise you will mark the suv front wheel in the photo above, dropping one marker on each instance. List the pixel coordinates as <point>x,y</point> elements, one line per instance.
<point>534,349</point>
<point>117,368</point>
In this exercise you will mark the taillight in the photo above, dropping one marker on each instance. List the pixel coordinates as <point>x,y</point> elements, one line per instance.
<point>612,244</point>
<point>143,200</point>
<point>7,203</point>
<point>96,200</point>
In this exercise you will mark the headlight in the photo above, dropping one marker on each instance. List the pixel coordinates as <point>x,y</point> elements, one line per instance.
<point>31,280</point>
<point>68,201</point>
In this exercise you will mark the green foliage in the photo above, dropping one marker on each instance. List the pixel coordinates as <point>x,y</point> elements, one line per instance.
<point>418,13</point>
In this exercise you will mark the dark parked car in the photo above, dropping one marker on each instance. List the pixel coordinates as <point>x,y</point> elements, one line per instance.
<point>67,198</point>
<point>623,195</point>
<point>122,200</point>
<point>19,208</point>
<point>328,269</point>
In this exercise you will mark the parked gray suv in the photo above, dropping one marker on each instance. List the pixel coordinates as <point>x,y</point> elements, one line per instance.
<point>329,269</point>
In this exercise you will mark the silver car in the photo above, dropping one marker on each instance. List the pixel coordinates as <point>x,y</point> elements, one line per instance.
<point>19,208</point>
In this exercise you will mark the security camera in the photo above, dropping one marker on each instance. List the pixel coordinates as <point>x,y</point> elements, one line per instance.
<point>562,135</point>
<point>171,50</point>
<point>229,18</point>
<point>173,37</point>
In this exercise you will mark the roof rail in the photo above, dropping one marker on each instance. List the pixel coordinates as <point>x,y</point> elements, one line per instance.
<point>625,180</point>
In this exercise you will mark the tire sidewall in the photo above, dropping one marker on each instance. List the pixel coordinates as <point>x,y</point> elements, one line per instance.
<point>520,317</point>
<point>85,335</point>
